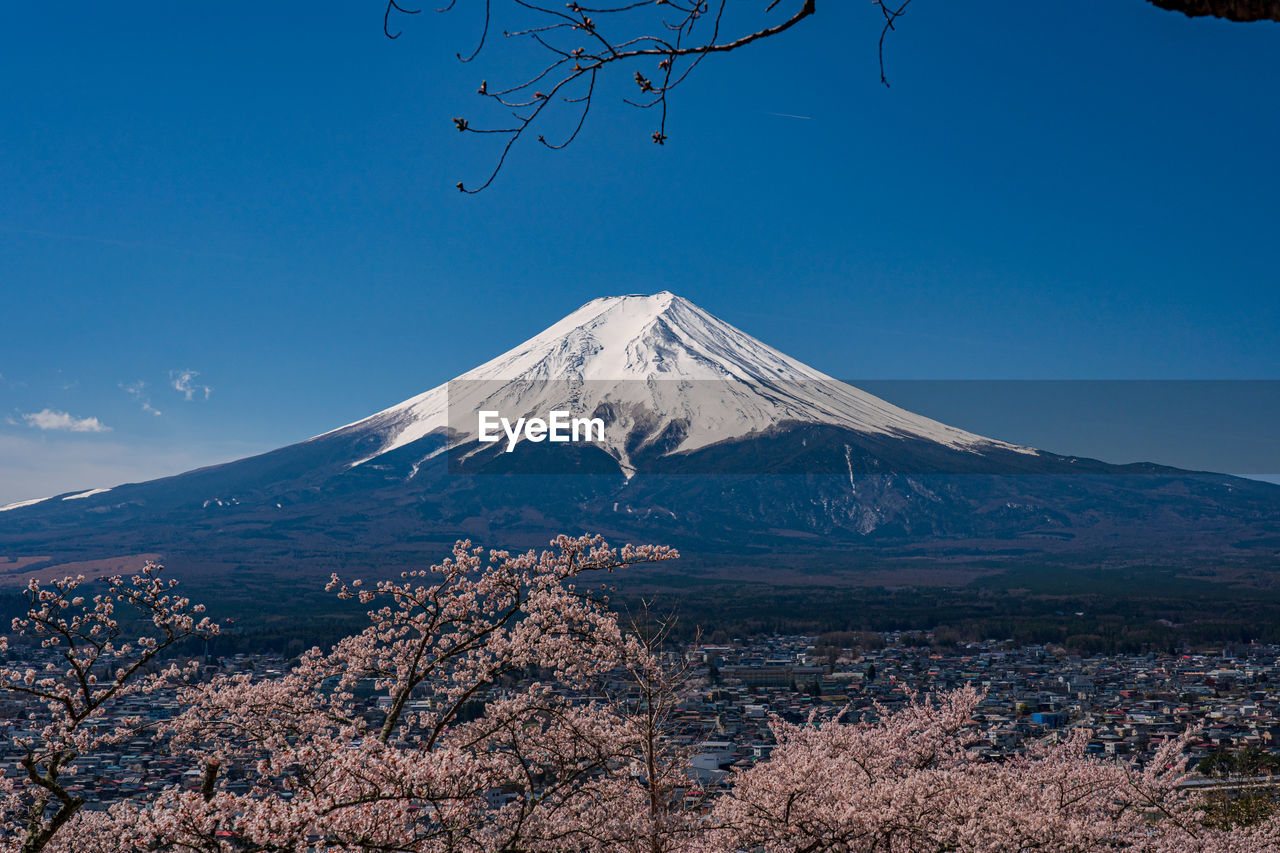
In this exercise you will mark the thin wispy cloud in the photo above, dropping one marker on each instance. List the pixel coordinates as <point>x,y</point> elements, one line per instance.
<point>48,419</point>
<point>184,382</point>
<point>138,391</point>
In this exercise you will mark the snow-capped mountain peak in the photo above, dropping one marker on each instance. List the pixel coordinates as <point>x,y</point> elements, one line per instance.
<point>654,360</point>
<point>642,337</point>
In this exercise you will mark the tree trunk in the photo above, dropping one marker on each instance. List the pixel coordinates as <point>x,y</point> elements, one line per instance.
<point>1232,10</point>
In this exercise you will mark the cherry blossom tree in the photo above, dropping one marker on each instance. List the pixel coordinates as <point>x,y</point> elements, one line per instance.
<point>553,765</point>
<point>91,668</point>
<point>905,783</point>
<point>495,702</point>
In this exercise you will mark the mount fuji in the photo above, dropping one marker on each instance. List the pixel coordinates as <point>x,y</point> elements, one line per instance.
<point>712,440</point>
<point>669,364</point>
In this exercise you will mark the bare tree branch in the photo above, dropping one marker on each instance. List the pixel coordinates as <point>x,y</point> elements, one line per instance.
<point>890,16</point>
<point>386,17</point>
<point>663,41</point>
<point>583,41</point>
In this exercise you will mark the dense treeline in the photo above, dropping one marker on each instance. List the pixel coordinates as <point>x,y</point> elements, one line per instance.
<point>1090,614</point>
<point>1148,619</point>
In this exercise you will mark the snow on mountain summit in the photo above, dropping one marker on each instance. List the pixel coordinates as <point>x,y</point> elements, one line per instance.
<point>654,359</point>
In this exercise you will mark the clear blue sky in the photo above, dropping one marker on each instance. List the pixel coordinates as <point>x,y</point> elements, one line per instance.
<point>264,194</point>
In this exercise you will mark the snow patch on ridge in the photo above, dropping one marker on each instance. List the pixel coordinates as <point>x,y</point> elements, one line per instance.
<point>21,504</point>
<point>87,494</point>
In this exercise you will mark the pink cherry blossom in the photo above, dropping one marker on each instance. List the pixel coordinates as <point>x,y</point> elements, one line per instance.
<point>517,712</point>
